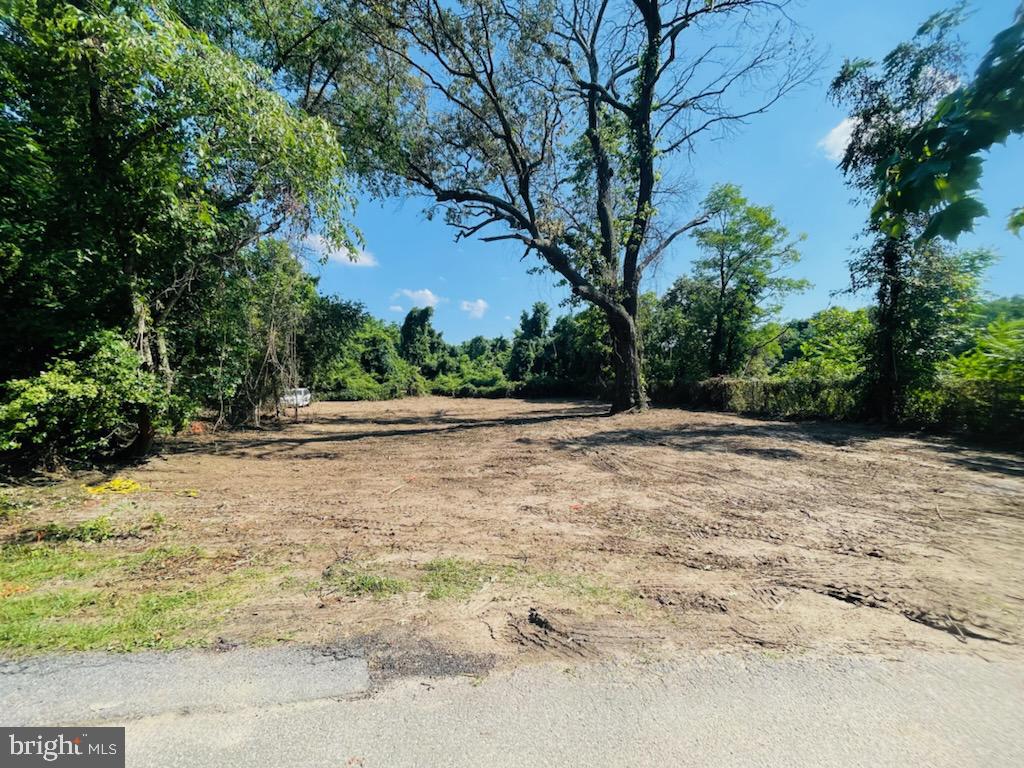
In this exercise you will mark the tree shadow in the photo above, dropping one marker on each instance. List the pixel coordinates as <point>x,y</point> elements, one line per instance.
<point>733,436</point>
<point>283,441</point>
<point>1000,459</point>
<point>570,408</point>
<point>739,435</point>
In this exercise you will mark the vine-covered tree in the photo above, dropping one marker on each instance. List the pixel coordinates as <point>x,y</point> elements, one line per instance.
<point>421,343</point>
<point>529,341</point>
<point>889,101</point>
<point>555,124</point>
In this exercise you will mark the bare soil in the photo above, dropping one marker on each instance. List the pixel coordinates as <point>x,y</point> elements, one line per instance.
<point>586,535</point>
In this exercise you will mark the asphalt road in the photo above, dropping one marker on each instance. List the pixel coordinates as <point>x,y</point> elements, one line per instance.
<point>297,708</point>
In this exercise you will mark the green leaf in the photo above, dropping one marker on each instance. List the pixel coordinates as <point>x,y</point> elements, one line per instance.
<point>1016,222</point>
<point>959,217</point>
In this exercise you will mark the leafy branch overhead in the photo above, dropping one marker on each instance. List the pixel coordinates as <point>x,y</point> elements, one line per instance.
<point>940,171</point>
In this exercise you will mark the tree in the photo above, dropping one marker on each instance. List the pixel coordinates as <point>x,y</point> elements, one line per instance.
<point>530,339</point>
<point>939,168</point>
<point>580,352</point>
<point>421,344</point>
<point>259,328</point>
<point>671,340</point>
<point>889,101</point>
<point>835,344</point>
<point>477,347</point>
<point>321,58</point>
<point>369,367</point>
<point>552,123</point>
<point>1002,308</point>
<point>936,317</point>
<point>329,324</point>
<point>145,159</point>
<point>735,285</point>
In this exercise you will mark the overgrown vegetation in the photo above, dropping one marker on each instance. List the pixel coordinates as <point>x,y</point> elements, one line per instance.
<point>154,153</point>
<point>141,162</point>
<point>450,577</point>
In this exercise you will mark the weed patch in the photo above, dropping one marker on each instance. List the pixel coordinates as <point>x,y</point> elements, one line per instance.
<point>31,565</point>
<point>451,577</point>
<point>75,619</point>
<point>98,529</point>
<point>11,507</point>
<point>454,578</point>
<point>346,579</point>
<point>584,589</point>
<point>51,601</point>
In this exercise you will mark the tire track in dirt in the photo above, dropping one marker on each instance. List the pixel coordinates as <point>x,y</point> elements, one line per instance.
<point>691,529</point>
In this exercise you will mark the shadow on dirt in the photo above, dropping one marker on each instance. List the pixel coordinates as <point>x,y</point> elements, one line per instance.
<point>280,441</point>
<point>560,409</point>
<point>714,432</point>
<point>746,437</point>
<point>981,459</point>
<point>731,437</point>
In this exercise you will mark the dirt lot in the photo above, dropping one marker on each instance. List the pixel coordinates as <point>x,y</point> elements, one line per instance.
<point>512,530</point>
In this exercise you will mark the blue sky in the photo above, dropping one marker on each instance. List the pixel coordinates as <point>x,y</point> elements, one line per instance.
<point>779,159</point>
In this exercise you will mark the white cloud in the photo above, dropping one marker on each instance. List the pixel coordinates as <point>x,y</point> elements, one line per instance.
<point>395,308</point>
<point>834,142</point>
<point>319,246</point>
<point>424,297</point>
<point>475,308</point>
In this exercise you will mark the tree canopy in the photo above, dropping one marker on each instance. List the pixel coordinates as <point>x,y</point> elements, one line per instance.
<point>551,124</point>
<point>162,162</point>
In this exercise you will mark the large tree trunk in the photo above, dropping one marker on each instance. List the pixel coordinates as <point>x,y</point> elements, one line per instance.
<point>146,434</point>
<point>629,394</point>
<point>715,364</point>
<point>889,394</point>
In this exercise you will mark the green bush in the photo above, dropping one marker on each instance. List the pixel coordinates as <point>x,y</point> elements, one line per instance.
<point>977,407</point>
<point>836,398</point>
<point>80,408</point>
<point>370,368</point>
<point>980,391</point>
<point>472,378</point>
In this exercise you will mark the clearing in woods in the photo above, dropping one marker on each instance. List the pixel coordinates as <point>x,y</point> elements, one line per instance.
<point>509,529</point>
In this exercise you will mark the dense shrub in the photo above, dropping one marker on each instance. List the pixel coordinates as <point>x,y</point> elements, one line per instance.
<point>369,367</point>
<point>837,398</point>
<point>980,391</point>
<point>79,407</point>
<point>479,377</point>
<point>993,409</point>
